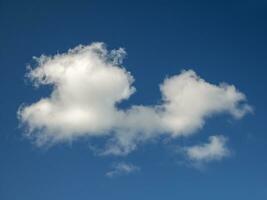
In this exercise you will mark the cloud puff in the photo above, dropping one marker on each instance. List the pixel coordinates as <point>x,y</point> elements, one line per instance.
<point>88,82</point>
<point>214,150</point>
<point>122,168</point>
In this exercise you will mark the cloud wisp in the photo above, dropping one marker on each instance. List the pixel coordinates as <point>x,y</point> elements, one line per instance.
<point>89,82</point>
<point>122,168</point>
<point>215,149</point>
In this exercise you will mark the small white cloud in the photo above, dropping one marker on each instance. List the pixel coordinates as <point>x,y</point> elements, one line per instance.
<point>215,149</point>
<point>89,82</point>
<point>122,168</point>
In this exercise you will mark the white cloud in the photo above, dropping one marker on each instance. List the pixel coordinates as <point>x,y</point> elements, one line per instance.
<point>122,169</point>
<point>89,82</point>
<point>214,150</point>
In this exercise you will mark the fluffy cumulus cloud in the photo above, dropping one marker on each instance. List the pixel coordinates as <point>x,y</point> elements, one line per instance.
<point>215,149</point>
<point>88,83</point>
<point>122,168</point>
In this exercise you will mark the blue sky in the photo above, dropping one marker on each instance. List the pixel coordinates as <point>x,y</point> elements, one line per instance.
<point>221,41</point>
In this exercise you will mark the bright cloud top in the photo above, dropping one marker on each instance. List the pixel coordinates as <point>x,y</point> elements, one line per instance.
<point>89,82</point>
<point>215,149</point>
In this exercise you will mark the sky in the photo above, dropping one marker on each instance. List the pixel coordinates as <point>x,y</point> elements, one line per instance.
<point>133,100</point>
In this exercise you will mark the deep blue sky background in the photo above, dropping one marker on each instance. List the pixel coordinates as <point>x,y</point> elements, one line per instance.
<point>223,41</point>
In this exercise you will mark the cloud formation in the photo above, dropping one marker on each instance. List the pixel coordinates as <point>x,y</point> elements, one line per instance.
<point>215,149</point>
<point>88,82</point>
<point>122,168</point>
